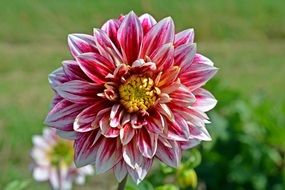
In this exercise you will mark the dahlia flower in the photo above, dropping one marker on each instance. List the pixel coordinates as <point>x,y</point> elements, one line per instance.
<point>53,161</point>
<point>132,92</point>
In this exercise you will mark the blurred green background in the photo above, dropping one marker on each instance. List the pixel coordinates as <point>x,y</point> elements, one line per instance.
<point>245,39</point>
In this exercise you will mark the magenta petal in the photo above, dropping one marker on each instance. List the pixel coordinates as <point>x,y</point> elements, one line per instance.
<point>199,133</point>
<point>73,71</point>
<point>106,129</point>
<point>147,21</point>
<point>108,155</point>
<point>182,97</point>
<point>130,35</point>
<point>205,101</point>
<point>95,66</point>
<point>170,156</point>
<point>111,28</point>
<point>83,121</point>
<point>184,37</point>
<point>106,47</point>
<point>156,123</point>
<point>57,77</point>
<point>202,59</point>
<point>163,56</point>
<point>147,143</point>
<point>197,75</point>
<point>81,43</point>
<point>63,114</point>
<point>85,151</point>
<point>131,154</point>
<point>160,34</point>
<point>78,91</point>
<point>178,130</point>
<point>189,144</point>
<point>184,56</point>
<point>70,135</point>
<point>120,170</point>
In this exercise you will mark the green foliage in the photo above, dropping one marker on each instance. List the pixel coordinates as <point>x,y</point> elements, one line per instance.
<point>17,185</point>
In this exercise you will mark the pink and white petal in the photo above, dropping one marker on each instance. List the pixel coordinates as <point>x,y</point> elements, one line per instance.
<point>170,156</point>
<point>160,34</point>
<point>184,37</point>
<point>95,66</point>
<point>81,43</point>
<point>178,130</point>
<point>73,71</point>
<point>199,133</point>
<point>132,155</point>
<point>205,101</point>
<point>126,133</point>
<point>106,129</point>
<point>41,173</point>
<point>106,47</point>
<point>83,120</point>
<point>57,77</point>
<point>147,143</point>
<point>189,144</point>
<point>78,91</point>
<point>156,123</point>
<point>116,115</point>
<point>143,170</point>
<point>130,35</point>
<point>202,59</point>
<point>108,155</point>
<point>147,22</point>
<point>63,114</point>
<point>184,56</point>
<point>111,28</point>
<point>165,110</point>
<point>120,170</point>
<point>168,77</point>
<point>197,75</point>
<point>163,56</point>
<point>134,173</point>
<point>182,97</point>
<point>84,150</point>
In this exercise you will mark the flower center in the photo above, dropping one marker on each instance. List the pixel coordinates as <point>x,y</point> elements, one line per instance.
<point>62,152</point>
<point>137,93</point>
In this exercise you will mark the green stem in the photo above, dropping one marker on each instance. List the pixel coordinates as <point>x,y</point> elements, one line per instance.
<point>122,184</point>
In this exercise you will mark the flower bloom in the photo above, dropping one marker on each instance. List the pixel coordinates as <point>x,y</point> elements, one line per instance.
<point>132,93</point>
<point>53,161</point>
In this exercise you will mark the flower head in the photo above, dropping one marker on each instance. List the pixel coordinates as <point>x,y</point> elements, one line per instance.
<point>132,92</point>
<point>53,161</point>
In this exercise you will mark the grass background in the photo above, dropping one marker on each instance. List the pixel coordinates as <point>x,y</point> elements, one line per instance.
<point>245,39</point>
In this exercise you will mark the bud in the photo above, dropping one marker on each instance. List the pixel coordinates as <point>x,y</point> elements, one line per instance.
<point>186,178</point>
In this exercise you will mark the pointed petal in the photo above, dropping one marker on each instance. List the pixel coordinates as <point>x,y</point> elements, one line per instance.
<point>182,97</point>
<point>184,56</point>
<point>120,170</point>
<point>168,77</point>
<point>199,133</point>
<point>184,37</point>
<point>147,143</point>
<point>57,77</point>
<point>84,151</point>
<point>130,36</point>
<point>108,155</point>
<point>170,156</point>
<point>163,56</point>
<point>106,47</point>
<point>63,115</point>
<point>202,59</point>
<point>160,34</point>
<point>83,121</point>
<point>205,101</point>
<point>79,91</point>
<point>111,28</point>
<point>178,130</point>
<point>81,43</point>
<point>126,133</point>
<point>197,75</point>
<point>95,66</point>
<point>139,173</point>
<point>106,129</point>
<point>73,71</point>
<point>156,123</point>
<point>165,110</point>
<point>189,144</point>
<point>131,154</point>
<point>70,135</point>
<point>147,22</point>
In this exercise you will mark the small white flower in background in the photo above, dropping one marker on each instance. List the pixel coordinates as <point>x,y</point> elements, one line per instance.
<point>53,161</point>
